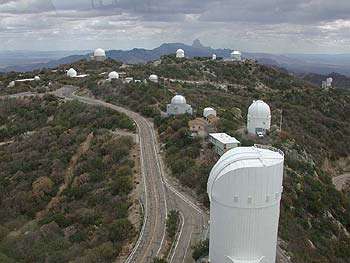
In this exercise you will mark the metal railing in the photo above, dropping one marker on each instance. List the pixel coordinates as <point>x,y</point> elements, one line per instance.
<point>269,147</point>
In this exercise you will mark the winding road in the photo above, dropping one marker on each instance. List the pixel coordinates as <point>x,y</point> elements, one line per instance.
<point>159,196</point>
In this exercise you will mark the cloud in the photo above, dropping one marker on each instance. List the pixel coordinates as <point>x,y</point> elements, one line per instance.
<point>26,6</point>
<point>269,25</point>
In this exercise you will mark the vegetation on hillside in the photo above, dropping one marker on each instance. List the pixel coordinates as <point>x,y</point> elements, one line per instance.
<point>316,128</point>
<point>315,218</point>
<point>64,182</point>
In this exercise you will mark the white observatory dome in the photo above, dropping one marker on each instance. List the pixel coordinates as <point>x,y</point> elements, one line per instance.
<point>236,52</point>
<point>259,117</point>
<point>245,188</point>
<point>178,99</point>
<point>209,111</point>
<point>36,78</point>
<point>99,53</point>
<point>72,73</point>
<point>180,53</point>
<point>113,75</point>
<point>329,81</point>
<point>153,78</point>
<point>236,55</point>
<point>12,84</point>
<point>214,57</point>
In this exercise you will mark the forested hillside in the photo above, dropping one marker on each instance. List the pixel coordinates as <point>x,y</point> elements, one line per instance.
<point>65,180</point>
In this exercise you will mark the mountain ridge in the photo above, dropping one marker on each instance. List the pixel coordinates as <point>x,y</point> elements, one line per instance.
<point>294,63</point>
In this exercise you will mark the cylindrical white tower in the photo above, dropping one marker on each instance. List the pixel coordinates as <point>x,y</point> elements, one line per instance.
<point>244,189</point>
<point>259,117</point>
<point>213,57</point>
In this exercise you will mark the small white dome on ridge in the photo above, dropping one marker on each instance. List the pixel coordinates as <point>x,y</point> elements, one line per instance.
<point>180,53</point>
<point>72,73</point>
<point>153,78</point>
<point>178,99</point>
<point>209,111</point>
<point>113,75</point>
<point>12,84</point>
<point>99,53</point>
<point>36,78</point>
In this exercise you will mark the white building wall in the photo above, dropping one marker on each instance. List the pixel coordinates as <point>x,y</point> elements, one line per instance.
<point>245,192</point>
<point>220,147</point>
<point>258,123</point>
<point>177,109</point>
<point>99,58</point>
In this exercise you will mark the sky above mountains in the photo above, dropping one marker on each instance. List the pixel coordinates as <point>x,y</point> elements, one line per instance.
<point>275,26</point>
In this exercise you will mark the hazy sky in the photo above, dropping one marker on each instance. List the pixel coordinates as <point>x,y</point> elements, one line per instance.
<point>279,26</point>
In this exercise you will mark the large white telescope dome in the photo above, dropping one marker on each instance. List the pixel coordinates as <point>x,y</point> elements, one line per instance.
<point>245,188</point>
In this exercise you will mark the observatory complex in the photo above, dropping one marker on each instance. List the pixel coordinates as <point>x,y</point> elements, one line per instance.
<point>244,189</point>
<point>259,118</point>
<point>99,55</point>
<point>180,53</point>
<point>178,106</point>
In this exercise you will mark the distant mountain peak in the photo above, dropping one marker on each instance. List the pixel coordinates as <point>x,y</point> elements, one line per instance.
<point>197,44</point>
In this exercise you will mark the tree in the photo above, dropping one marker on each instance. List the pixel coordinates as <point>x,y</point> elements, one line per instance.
<point>120,230</point>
